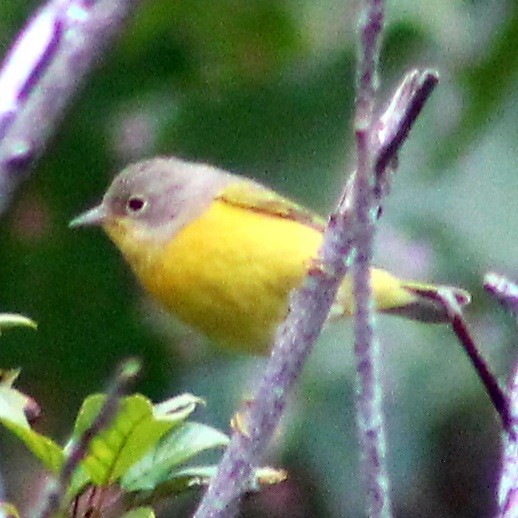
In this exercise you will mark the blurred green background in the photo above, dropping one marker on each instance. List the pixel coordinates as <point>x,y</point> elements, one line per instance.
<point>266,88</point>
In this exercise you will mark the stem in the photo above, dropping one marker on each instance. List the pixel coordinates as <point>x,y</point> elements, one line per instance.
<point>369,411</point>
<point>495,392</point>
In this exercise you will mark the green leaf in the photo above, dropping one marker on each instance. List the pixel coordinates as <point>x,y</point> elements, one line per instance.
<point>9,376</point>
<point>8,320</point>
<point>12,405</point>
<point>12,416</point>
<point>141,512</point>
<point>178,447</point>
<point>188,478</point>
<point>80,479</point>
<point>136,428</point>
<point>178,482</point>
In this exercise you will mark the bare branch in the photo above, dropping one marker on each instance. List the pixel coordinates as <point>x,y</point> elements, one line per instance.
<point>42,72</point>
<point>369,410</point>
<point>309,306</point>
<point>495,392</point>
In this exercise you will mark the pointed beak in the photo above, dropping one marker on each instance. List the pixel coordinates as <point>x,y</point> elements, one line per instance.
<point>95,216</point>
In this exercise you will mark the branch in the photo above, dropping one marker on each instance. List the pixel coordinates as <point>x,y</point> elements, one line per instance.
<point>308,309</point>
<point>41,73</point>
<point>369,410</point>
<point>495,392</point>
<point>506,292</point>
<point>508,486</point>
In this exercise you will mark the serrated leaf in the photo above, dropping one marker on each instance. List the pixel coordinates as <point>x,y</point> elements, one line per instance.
<point>12,416</point>
<point>8,320</point>
<point>141,512</point>
<point>180,446</point>
<point>135,429</point>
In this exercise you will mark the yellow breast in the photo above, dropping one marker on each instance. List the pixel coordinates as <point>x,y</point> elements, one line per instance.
<point>228,273</point>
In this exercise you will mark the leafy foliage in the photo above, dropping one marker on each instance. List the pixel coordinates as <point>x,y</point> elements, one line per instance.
<point>142,451</point>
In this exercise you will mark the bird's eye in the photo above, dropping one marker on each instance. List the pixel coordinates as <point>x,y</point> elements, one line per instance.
<point>135,204</point>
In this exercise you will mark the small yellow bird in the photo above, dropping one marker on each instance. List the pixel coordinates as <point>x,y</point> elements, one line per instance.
<point>222,252</point>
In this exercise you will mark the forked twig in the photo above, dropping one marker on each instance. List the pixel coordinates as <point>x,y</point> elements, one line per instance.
<point>496,393</point>
<point>309,306</point>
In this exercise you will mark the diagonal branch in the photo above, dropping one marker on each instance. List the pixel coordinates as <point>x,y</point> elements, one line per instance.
<point>42,72</point>
<point>496,393</point>
<point>309,306</point>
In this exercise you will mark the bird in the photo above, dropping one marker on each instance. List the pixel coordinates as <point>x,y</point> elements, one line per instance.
<point>222,252</point>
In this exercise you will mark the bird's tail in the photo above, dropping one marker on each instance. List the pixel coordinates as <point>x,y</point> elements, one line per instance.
<point>412,300</point>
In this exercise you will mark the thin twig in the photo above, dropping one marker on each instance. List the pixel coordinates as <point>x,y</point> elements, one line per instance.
<point>506,292</point>
<point>508,486</point>
<point>505,403</point>
<point>419,86</point>
<point>42,71</point>
<point>126,374</point>
<point>495,392</point>
<point>309,306</point>
<point>393,127</point>
<point>369,409</point>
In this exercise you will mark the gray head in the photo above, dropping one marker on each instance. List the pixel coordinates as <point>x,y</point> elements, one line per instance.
<point>160,194</point>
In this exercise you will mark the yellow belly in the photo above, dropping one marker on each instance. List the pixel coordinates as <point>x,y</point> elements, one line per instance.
<point>228,273</point>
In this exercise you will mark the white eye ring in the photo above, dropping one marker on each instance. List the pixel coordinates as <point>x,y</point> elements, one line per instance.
<point>136,204</point>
